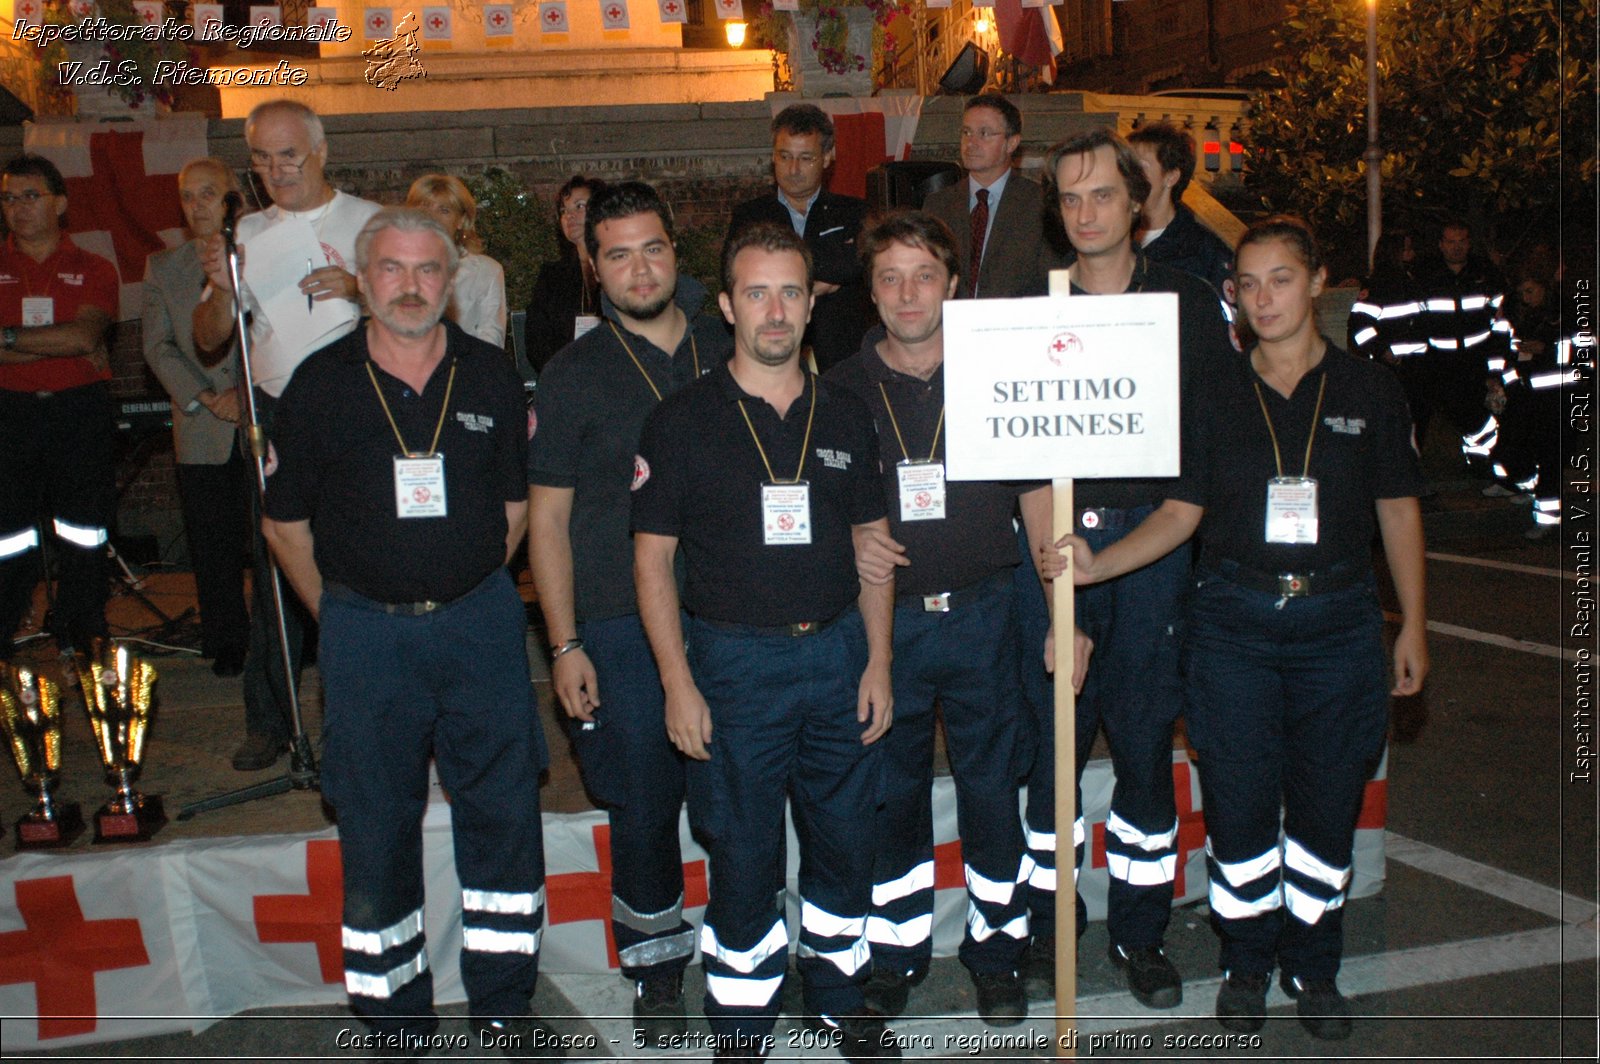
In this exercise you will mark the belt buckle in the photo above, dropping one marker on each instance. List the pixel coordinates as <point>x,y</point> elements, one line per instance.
<point>801,628</point>
<point>1090,518</point>
<point>939,603</point>
<point>1294,585</point>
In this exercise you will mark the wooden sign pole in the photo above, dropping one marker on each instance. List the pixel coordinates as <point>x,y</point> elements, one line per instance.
<point>1066,755</point>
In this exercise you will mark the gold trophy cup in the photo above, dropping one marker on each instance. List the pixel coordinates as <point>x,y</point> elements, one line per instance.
<point>30,717</point>
<point>119,693</point>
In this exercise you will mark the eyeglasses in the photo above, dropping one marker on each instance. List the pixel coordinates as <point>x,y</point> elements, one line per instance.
<point>580,207</point>
<point>29,197</point>
<point>981,134</point>
<point>262,163</point>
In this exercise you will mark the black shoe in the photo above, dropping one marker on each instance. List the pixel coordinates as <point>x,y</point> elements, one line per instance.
<point>658,1014</point>
<point>518,1037</point>
<point>888,990</point>
<point>1001,1002</point>
<point>228,663</point>
<point>861,1037</point>
<point>258,752</point>
<point>1242,1002</point>
<point>1039,968</point>
<point>1152,978</point>
<point>1323,1010</point>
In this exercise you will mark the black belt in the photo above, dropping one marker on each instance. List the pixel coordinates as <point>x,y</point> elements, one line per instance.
<point>945,601</point>
<point>1289,584</point>
<point>393,609</point>
<point>797,629</point>
<point>1107,519</point>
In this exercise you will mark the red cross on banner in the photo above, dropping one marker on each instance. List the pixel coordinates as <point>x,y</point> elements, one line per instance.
<point>28,9</point>
<point>553,16</point>
<point>59,952</point>
<point>376,21</point>
<point>730,9</point>
<point>436,22</point>
<point>614,15</point>
<point>315,916</point>
<point>121,198</point>
<point>573,897</point>
<point>672,11</point>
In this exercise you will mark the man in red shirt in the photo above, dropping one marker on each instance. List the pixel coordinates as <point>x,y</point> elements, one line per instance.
<point>57,302</point>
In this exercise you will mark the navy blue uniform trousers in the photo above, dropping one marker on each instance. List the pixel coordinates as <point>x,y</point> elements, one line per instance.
<point>1288,710</point>
<point>966,661</point>
<point>783,718</point>
<point>633,771</point>
<point>452,683</point>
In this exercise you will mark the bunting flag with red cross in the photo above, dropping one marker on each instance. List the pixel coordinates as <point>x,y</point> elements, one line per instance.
<point>208,21</point>
<point>29,11</point>
<point>553,16</point>
<point>613,14</point>
<point>122,186</point>
<point>266,15</point>
<point>321,16</point>
<point>377,23</point>
<point>437,29</point>
<point>148,12</point>
<point>673,11</point>
<point>499,25</point>
<point>730,10</point>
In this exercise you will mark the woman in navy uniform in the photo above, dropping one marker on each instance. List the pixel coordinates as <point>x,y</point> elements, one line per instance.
<point>1287,707</point>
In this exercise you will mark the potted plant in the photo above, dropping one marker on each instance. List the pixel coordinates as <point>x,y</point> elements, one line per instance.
<point>830,45</point>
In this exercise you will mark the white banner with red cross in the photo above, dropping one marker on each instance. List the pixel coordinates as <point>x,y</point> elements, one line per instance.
<point>122,186</point>
<point>118,944</point>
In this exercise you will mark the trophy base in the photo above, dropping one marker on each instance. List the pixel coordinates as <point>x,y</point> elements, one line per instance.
<point>137,826</point>
<point>50,834</point>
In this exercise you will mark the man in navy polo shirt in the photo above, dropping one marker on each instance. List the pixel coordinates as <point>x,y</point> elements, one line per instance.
<point>395,496</point>
<point>762,473</point>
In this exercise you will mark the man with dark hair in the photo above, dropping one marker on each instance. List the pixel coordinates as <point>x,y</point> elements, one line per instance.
<point>955,639</point>
<point>57,302</point>
<point>1169,232</point>
<point>1468,342</point>
<point>583,463</point>
<point>394,501</point>
<point>1132,686</point>
<point>802,152</point>
<point>288,152</point>
<point>996,214</point>
<point>764,473</point>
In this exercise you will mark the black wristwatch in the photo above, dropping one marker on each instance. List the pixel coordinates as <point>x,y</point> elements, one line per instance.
<point>8,337</point>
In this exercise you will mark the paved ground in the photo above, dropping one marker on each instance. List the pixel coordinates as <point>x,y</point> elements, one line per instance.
<point>1481,946</point>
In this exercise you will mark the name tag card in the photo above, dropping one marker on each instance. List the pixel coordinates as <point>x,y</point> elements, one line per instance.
<point>38,310</point>
<point>1291,510</point>
<point>419,486</point>
<point>786,514</point>
<point>921,490</point>
<point>582,324</point>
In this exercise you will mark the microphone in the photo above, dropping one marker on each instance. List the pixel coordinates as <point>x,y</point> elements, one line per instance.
<point>232,204</point>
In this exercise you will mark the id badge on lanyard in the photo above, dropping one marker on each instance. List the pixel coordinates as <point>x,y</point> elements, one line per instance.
<point>419,485</point>
<point>921,490</point>
<point>582,324</point>
<point>1292,510</point>
<point>38,310</point>
<point>786,513</point>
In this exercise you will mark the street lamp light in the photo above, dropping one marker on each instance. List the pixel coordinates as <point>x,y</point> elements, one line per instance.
<point>735,32</point>
<point>1374,153</point>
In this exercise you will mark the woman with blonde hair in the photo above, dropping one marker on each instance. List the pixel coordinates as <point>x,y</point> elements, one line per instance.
<point>478,304</point>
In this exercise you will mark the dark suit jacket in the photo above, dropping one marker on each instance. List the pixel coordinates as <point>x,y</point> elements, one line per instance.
<point>172,284</point>
<point>557,299</point>
<point>841,318</point>
<point>1016,258</point>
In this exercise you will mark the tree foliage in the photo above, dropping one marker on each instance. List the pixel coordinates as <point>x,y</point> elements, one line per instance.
<point>1485,109</point>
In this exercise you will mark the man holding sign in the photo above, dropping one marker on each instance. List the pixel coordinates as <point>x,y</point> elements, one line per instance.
<point>955,636</point>
<point>1134,621</point>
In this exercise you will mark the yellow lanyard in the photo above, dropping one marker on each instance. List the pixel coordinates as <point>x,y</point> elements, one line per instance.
<point>1276,457</point>
<point>896,424</point>
<point>804,446</point>
<point>433,448</point>
<point>694,352</point>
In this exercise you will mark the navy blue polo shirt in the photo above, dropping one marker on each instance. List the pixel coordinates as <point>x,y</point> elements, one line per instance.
<point>1362,452</point>
<point>975,539</point>
<point>334,454</point>
<point>589,409</point>
<point>701,482</point>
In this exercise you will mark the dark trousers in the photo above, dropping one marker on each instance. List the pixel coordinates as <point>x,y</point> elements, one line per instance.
<point>964,660</point>
<point>266,687</point>
<point>783,717</point>
<point>216,521</point>
<point>452,684</point>
<point>1132,691</point>
<point>632,770</point>
<point>57,480</point>
<point>1447,383</point>
<point>1288,711</point>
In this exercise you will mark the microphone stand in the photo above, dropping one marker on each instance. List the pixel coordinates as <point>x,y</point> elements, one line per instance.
<point>302,774</point>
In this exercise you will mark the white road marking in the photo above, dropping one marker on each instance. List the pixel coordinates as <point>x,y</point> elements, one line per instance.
<point>1510,567</point>
<point>1527,646</point>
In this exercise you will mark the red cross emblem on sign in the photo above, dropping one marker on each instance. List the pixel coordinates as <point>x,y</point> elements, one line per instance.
<point>498,18</point>
<point>119,197</point>
<point>614,12</point>
<point>376,22</point>
<point>148,15</point>
<point>420,494</point>
<point>672,7</point>
<point>311,917</point>
<point>436,22</point>
<point>727,5</point>
<point>1191,828</point>
<point>27,9</point>
<point>573,897</point>
<point>59,952</point>
<point>553,16</point>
